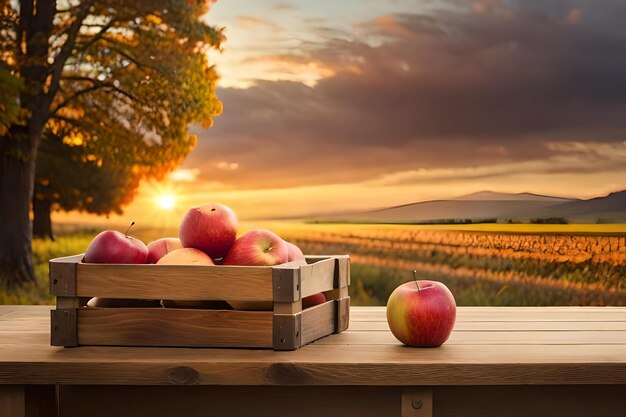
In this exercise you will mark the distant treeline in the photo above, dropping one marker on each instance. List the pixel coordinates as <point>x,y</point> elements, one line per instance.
<point>537,220</point>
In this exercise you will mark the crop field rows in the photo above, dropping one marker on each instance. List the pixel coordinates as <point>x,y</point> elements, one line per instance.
<point>481,268</point>
<point>503,265</point>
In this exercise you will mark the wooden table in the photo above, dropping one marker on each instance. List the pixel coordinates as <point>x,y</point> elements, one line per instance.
<point>498,362</point>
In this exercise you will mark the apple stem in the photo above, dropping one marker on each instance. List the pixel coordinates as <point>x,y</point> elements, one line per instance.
<point>212,206</point>
<point>126,233</point>
<point>415,279</point>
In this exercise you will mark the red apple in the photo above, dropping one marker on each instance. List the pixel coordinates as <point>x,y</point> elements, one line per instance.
<point>313,300</point>
<point>421,313</point>
<point>212,228</point>
<point>161,247</point>
<point>113,247</point>
<point>186,256</point>
<point>257,248</point>
<point>293,252</point>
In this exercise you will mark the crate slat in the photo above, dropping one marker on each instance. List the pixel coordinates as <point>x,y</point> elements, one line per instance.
<point>174,327</point>
<point>317,277</point>
<point>318,321</point>
<point>175,282</point>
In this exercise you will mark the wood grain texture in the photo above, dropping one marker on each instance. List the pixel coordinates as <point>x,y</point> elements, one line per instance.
<point>516,326</point>
<point>318,321</point>
<point>343,315</point>
<point>64,327</point>
<point>530,338</point>
<point>12,401</point>
<point>209,401</point>
<point>490,354</point>
<point>174,327</point>
<point>175,282</point>
<point>317,277</point>
<point>63,275</point>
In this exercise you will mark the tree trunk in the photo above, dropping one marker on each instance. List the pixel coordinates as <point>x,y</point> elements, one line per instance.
<point>18,149</point>
<point>16,179</point>
<point>42,223</point>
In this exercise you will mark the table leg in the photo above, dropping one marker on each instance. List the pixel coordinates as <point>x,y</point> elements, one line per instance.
<point>28,401</point>
<point>417,402</point>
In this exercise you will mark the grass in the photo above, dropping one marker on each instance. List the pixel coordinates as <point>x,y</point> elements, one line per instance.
<point>43,251</point>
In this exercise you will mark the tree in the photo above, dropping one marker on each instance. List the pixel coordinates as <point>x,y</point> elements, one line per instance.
<point>10,110</point>
<point>70,177</point>
<point>124,78</point>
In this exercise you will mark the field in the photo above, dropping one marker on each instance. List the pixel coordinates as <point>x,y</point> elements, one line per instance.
<point>490,264</point>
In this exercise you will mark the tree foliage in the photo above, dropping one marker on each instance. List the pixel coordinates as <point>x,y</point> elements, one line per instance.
<point>110,86</point>
<point>10,110</point>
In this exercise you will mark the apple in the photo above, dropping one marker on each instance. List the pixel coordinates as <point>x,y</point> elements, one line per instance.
<point>113,247</point>
<point>257,248</point>
<point>212,228</point>
<point>293,252</point>
<point>421,313</point>
<point>313,300</point>
<point>186,256</point>
<point>161,247</point>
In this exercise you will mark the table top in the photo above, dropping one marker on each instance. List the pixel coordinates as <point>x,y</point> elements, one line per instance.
<point>489,345</point>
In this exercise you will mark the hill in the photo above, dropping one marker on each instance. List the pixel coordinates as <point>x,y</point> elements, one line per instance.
<point>492,206</point>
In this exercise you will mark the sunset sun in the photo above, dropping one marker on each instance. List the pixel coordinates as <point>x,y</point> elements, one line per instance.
<point>166,201</point>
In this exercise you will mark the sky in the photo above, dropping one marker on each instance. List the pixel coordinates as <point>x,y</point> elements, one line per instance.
<point>334,106</point>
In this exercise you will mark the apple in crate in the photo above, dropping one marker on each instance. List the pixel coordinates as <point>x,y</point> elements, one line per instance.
<point>113,247</point>
<point>186,256</point>
<point>313,300</point>
<point>256,248</point>
<point>189,256</point>
<point>212,228</point>
<point>161,247</point>
<point>293,252</point>
<point>421,313</point>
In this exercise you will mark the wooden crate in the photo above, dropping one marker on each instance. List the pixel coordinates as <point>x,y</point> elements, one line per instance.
<point>287,327</point>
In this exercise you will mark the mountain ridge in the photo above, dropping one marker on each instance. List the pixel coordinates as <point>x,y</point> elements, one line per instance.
<point>495,206</point>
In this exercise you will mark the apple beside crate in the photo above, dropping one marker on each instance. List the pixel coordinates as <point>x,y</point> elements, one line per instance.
<point>286,327</point>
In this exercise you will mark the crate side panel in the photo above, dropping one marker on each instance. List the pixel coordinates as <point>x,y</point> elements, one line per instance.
<point>317,277</point>
<point>318,321</point>
<point>174,327</point>
<point>175,282</point>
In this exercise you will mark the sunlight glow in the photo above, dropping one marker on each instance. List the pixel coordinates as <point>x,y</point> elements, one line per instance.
<point>166,201</point>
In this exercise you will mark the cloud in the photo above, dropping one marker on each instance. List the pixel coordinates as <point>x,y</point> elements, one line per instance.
<point>448,88</point>
<point>572,158</point>
<point>255,22</point>
<point>284,7</point>
<point>184,175</point>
